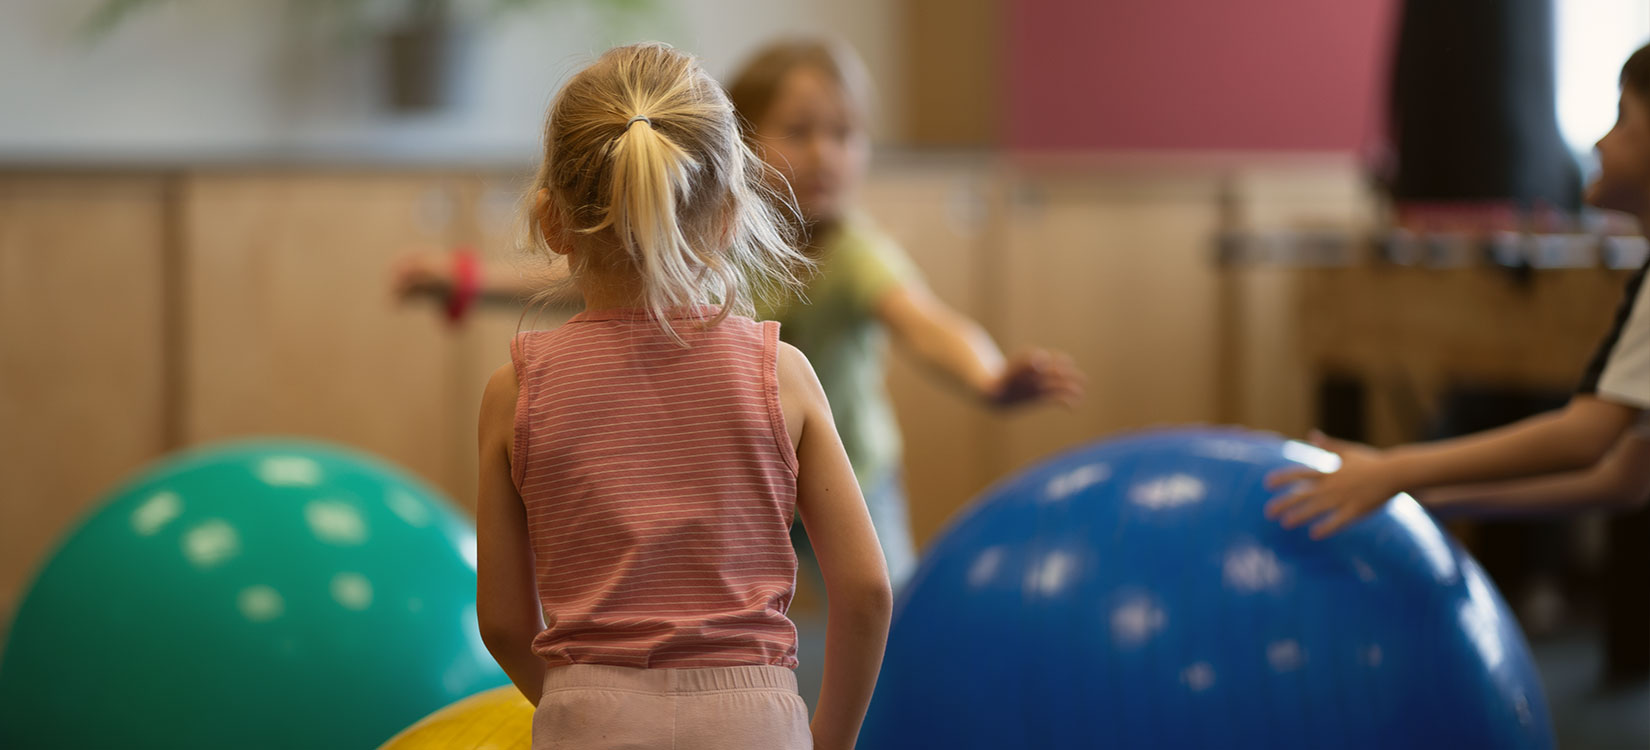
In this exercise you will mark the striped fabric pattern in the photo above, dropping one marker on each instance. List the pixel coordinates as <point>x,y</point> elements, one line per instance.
<point>660,484</point>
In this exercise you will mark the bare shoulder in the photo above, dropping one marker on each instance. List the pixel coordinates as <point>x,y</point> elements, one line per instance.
<point>797,379</point>
<point>501,384</point>
<point>498,404</point>
<point>791,358</point>
<point>801,397</point>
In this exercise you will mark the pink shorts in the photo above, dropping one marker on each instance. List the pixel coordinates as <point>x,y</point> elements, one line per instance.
<point>593,707</point>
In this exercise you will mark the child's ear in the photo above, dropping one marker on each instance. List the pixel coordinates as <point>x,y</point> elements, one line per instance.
<point>548,221</point>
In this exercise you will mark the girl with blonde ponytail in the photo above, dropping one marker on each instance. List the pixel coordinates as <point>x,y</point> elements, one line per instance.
<point>645,171</point>
<point>641,466</point>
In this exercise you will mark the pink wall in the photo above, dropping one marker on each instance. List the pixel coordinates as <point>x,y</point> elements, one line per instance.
<point>1195,74</point>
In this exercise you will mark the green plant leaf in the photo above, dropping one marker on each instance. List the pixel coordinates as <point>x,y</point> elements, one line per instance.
<point>111,14</point>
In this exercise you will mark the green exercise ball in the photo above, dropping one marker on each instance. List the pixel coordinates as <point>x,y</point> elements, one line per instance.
<point>261,594</point>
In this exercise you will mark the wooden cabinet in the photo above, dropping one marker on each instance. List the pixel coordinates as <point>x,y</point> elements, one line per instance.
<point>83,362</point>
<point>290,327</point>
<point>1115,269</point>
<point>1269,380</point>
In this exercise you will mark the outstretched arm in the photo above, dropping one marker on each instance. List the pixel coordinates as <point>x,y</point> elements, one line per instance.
<point>1567,440</point>
<point>1621,481</point>
<point>438,273</point>
<point>957,347</point>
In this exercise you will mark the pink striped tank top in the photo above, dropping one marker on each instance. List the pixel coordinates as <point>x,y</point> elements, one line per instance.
<point>660,485</point>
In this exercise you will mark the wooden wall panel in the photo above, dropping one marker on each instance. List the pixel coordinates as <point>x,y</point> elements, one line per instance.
<point>1113,268</point>
<point>82,353</point>
<point>291,327</point>
<point>951,90</point>
<point>1271,382</point>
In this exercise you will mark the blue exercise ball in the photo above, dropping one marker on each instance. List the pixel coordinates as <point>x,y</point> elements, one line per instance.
<point>1131,594</point>
<point>261,594</point>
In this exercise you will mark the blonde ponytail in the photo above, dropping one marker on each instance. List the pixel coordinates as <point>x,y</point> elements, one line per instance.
<point>648,173</point>
<point>645,161</point>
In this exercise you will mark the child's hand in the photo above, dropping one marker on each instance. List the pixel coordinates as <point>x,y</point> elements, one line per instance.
<point>422,272</point>
<point>1037,375</point>
<point>1362,484</point>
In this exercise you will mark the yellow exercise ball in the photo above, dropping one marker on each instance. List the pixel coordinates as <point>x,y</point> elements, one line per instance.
<point>498,719</point>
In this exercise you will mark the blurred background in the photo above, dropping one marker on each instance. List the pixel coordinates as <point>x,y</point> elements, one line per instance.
<point>1207,204</point>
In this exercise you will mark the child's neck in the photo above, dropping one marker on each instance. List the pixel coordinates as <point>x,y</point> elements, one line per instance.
<point>606,289</point>
<point>606,298</point>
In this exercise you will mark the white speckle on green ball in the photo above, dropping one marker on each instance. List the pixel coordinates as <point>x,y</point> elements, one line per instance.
<point>211,543</point>
<point>335,522</point>
<point>160,509</point>
<point>352,591</point>
<point>261,603</point>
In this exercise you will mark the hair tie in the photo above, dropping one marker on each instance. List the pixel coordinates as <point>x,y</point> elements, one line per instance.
<point>636,119</point>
